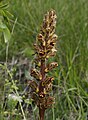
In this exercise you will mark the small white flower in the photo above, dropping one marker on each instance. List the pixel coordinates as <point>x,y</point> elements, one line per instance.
<point>15,97</point>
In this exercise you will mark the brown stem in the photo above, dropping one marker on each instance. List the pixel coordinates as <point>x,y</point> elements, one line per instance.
<point>41,108</point>
<point>41,113</point>
<point>42,69</point>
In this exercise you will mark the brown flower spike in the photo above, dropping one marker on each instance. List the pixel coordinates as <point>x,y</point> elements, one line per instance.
<point>44,49</point>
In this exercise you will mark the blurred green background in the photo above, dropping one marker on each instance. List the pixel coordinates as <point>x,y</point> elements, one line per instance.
<point>71,77</point>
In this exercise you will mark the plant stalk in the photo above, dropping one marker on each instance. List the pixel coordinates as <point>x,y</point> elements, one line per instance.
<point>41,108</point>
<point>41,113</point>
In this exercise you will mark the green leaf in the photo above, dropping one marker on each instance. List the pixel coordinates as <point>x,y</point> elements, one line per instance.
<point>7,35</point>
<point>6,32</point>
<point>4,6</point>
<point>3,26</point>
<point>14,87</point>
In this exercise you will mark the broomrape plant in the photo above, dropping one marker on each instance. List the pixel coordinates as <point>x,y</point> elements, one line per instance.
<point>44,49</point>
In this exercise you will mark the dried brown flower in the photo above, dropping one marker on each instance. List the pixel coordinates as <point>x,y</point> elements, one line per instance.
<point>44,49</point>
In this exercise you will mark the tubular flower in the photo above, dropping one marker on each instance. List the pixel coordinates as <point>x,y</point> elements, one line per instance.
<point>44,49</point>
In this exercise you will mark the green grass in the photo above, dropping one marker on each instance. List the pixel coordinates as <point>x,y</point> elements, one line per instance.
<point>71,76</point>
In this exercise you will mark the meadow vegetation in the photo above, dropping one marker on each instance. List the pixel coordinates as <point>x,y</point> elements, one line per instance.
<point>20,22</point>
